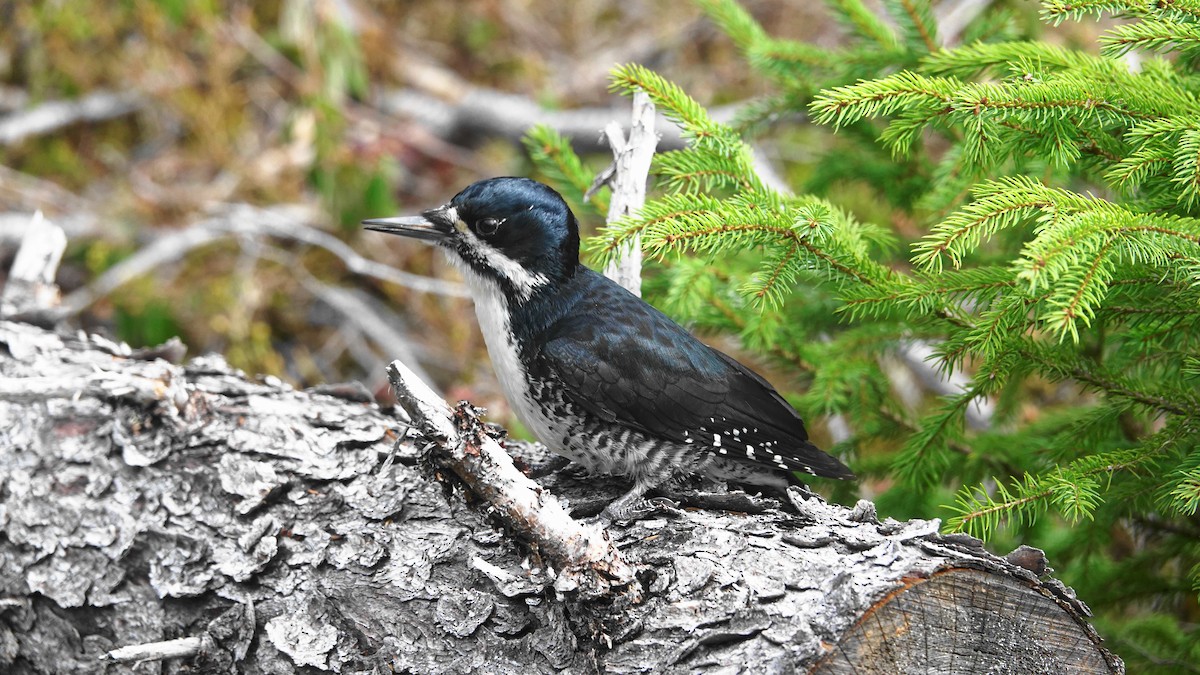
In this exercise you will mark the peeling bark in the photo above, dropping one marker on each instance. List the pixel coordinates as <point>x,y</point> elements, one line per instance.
<point>259,529</point>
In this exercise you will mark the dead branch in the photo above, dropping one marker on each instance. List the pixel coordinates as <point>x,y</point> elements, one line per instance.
<point>452,108</point>
<point>31,286</point>
<point>51,116</point>
<point>582,558</point>
<point>628,178</point>
<point>283,222</point>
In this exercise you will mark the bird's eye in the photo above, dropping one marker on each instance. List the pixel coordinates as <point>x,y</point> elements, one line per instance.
<point>488,226</point>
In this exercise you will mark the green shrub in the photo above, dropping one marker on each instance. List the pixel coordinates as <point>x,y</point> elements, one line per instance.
<point>1040,232</point>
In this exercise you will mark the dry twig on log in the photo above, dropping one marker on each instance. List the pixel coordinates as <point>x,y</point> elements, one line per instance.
<point>582,557</point>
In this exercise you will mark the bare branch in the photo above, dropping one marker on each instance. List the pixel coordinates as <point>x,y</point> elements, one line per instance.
<point>918,356</point>
<point>357,310</point>
<point>283,222</point>
<point>13,98</point>
<point>54,115</point>
<point>452,108</point>
<point>953,16</point>
<point>163,250</point>
<point>583,557</point>
<point>631,162</point>
<point>31,284</point>
<point>22,191</point>
<point>157,651</point>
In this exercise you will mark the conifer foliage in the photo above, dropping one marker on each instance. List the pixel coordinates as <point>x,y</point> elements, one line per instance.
<point>1055,197</point>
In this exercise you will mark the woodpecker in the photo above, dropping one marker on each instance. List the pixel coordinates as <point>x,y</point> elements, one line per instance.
<point>596,374</point>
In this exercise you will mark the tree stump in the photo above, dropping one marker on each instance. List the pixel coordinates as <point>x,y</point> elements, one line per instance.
<point>189,518</point>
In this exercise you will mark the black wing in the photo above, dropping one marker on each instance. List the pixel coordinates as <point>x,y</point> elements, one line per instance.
<point>626,362</point>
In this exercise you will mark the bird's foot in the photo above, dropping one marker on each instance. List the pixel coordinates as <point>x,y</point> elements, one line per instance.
<point>735,500</point>
<point>622,511</point>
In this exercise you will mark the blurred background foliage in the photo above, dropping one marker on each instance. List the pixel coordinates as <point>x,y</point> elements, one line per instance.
<point>212,160</point>
<point>288,102</point>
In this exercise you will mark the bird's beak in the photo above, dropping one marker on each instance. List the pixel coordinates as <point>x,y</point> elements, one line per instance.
<point>430,226</point>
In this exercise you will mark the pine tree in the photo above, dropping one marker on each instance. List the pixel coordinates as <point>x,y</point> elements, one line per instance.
<point>1058,193</point>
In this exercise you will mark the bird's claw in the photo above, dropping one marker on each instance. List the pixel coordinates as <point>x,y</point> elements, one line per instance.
<point>625,513</point>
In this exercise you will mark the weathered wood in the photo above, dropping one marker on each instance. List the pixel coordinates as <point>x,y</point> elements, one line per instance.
<point>581,558</point>
<point>627,177</point>
<point>30,286</point>
<point>143,501</point>
<point>977,616</point>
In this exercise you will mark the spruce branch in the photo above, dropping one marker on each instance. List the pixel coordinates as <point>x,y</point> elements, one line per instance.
<point>1058,11</point>
<point>1080,290</point>
<point>1074,489</point>
<point>1138,168</point>
<point>973,60</point>
<point>998,205</point>
<point>916,23</point>
<point>855,15</point>
<point>842,106</point>
<point>1181,493</point>
<point>552,154</point>
<point>695,171</point>
<point>735,22</point>
<point>1151,35</point>
<point>926,453</point>
<point>697,126</point>
<point>1007,268</point>
<point>1061,365</point>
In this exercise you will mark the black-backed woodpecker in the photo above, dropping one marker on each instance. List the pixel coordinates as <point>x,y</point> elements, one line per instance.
<point>598,375</point>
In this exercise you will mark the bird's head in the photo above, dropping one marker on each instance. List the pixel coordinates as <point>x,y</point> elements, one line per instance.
<point>515,232</point>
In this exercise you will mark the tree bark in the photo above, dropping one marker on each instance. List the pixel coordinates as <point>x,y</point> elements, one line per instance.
<point>254,528</point>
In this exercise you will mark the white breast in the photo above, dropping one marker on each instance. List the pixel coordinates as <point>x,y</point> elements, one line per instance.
<point>491,308</point>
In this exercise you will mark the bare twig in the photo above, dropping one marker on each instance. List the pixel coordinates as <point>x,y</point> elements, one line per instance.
<point>357,310</point>
<point>918,356</point>
<point>163,250</point>
<point>13,98</point>
<point>290,228</point>
<point>631,162</point>
<point>583,558</point>
<point>31,284</point>
<point>25,191</point>
<point>53,115</point>
<point>953,16</point>
<point>452,108</point>
<point>157,651</point>
<point>282,222</point>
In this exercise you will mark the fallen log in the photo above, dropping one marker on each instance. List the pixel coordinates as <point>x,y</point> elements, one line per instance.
<point>252,527</point>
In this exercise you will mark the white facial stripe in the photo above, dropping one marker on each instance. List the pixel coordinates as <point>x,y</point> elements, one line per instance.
<point>522,279</point>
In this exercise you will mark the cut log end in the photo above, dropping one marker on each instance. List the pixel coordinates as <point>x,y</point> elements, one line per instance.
<point>967,621</point>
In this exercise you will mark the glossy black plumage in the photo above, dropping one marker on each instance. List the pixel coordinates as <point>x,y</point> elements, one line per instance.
<point>627,363</point>
<point>596,373</point>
